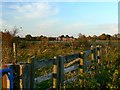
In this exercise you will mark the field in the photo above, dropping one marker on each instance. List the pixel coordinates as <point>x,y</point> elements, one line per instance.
<point>51,49</point>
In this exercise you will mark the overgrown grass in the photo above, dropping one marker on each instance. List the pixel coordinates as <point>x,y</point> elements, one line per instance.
<point>44,85</point>
<point>107,75</point>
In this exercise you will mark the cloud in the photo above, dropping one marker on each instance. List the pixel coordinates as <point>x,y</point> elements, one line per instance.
<point>48,27</point>
<point>30,16</point>
<point>84,28</point>
<point>34,10</point>
<point>111,28</point>
<point>73,26</point>
<point>89,29</point>
<point>47,24</point>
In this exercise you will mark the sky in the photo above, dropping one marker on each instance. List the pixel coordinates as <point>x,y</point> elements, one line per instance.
<point>60,18</point>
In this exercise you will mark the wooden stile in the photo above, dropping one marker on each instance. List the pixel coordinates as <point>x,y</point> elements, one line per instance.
<point>72,62</point>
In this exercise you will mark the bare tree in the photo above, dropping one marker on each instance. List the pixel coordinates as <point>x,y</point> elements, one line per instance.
<point>8,37</point>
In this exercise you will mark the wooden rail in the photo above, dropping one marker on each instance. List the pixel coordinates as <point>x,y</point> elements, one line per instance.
<point>61,65</point>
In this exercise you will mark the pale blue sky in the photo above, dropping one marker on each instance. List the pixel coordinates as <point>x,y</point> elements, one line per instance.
<point>57,18</point>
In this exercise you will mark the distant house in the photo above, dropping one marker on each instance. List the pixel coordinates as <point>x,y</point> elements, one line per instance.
<point>59,38</point>
<point>62,38</point>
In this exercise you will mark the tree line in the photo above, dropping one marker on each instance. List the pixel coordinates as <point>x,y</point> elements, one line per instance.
<point>103,36</point>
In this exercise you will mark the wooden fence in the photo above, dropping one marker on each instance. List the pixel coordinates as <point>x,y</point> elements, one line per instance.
<point>61,65</point>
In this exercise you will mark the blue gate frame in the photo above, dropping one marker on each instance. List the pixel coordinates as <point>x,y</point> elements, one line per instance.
<point>9,73</point>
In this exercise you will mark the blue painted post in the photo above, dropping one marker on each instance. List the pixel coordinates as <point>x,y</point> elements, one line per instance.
<point>11,79</point>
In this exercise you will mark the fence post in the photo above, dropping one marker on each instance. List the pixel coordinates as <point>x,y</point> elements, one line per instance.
<point>26,77</point>
<point>29,59</point>
<point>32,85</point>
<point>16,73</point>
<point>81,68</point>
<point>61,71</point>
<point>14,53</point>
<point>92,54</point>
<point>21,72</point>
<point>98,54</point>
<point>93,59</point>
<point>55,73</point>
